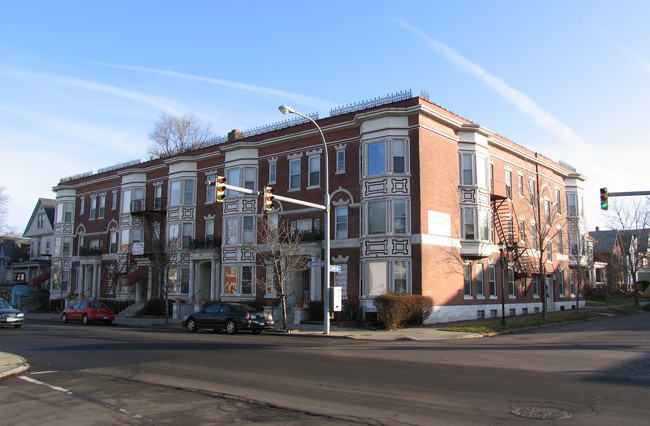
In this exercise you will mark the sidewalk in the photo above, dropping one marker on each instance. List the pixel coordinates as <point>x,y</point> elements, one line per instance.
<point>11,365</point>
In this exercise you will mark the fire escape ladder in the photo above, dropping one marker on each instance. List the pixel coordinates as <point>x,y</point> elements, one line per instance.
<point>124,261</point>
<point>505,226</point>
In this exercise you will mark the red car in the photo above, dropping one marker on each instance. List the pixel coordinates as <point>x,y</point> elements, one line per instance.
<point>88,311</point>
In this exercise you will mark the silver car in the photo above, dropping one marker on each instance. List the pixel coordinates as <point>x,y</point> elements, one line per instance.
<point>10,315</point>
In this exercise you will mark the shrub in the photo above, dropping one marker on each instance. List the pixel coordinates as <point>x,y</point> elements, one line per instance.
<point>397,310</point>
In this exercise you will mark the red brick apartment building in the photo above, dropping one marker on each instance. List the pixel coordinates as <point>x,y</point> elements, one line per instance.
<point>421,197</point>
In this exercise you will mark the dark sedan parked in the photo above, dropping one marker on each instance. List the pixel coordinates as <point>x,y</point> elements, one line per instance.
<point>10,315</point>
<point>231,317</point>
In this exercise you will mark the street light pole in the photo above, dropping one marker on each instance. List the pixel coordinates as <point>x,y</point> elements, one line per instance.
<point>326,297</point>
<point>504,271</point>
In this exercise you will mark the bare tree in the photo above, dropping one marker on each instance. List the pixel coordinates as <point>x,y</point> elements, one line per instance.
<point>278,251</point>
<point>5,200</point>
<point>580,258</point>
<point>631,218</point>
<point>173,134</point>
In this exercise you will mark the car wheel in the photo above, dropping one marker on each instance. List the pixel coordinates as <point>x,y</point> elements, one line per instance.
<point>84,319</point>
<point>108,322</point>
<point>64,318</point>
<point>191,325</point>
<point>231,327</point>
<point>18,325</point>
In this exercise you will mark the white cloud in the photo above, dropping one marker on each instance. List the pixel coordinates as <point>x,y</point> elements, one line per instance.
<point>267,91</point>
<point>521,101</point>
<point>166,105</point>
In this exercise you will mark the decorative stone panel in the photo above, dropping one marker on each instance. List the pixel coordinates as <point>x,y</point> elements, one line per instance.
<point>249,206</point>
<point>468,196</point>
<point>247,255</point>
<point>187,213</point>
<point>400,186</point>
<point>229,255</point>
<point>375,248</point>
<point>401,247</point>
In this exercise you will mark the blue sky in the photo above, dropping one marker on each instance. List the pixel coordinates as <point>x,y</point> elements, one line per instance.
<point>83,82</point>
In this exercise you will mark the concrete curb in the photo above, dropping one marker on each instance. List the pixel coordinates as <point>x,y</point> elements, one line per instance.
<point>12,365</point>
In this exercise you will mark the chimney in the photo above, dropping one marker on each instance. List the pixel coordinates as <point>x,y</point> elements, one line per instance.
<point>597,229</point>
<point>235,135</point>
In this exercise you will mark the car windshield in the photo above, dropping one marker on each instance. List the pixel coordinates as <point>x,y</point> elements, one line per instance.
<point>4,304</point>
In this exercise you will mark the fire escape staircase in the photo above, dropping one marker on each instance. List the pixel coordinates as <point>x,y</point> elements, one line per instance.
<point>506,226</point>
<point>124,261</point>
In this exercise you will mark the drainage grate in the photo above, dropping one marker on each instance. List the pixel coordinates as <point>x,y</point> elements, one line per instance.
<point>541,413</point>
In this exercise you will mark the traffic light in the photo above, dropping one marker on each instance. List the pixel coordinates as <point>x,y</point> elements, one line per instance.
<point>220,193</point>
<point>604,204</point>
<point>268,198</point>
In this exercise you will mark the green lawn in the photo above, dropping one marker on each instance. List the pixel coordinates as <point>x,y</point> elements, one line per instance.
<point>494,325</point>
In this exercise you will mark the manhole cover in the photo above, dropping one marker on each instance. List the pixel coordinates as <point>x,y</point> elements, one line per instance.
<point>541,413</point>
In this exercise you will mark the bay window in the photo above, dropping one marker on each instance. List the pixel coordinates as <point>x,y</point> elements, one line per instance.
<point>387,156</point>
<point>239,280</point>
<point>384,276</point>
<point>182,192</point>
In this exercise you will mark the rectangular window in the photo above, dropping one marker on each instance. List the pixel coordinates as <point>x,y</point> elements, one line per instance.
<point>522,232</point>
<point>376,278</point>
<point>558,202</point>
<point>467,169</point>
<point>547,212</point>
<point>572,279</point>
<point>511,282</point>
<point>560,281</point>
<point>533,236</point>
<point>82,206</point>
<point>572,204</point>
<point>549,252</point>
<point>247,280</point>
<point>377,217</point>
<point>185,280</point>
<point>341,222</point>
<point>398,148</point>
<point>210,188</point>
<point>400,277</point>
<point>232,230</point>
<point>188,192</point>
<point>230,281</point>
<point>480,284</point>
<point>273,170</point>
<point>314,171</point>
<point>521,186</point>
<point>484,224</point>
<point>294,174</point>
<point>114,201</point>
<point>64,212</point>
<point>40,221</point>
<point>467,279</point>
<point>508,179</point>
<point>340,161</point>
<point>93,208</point>
<point>232,177</point>
<point>187,234</point>
<point>399,216</point>
<point>468,223</point>
<point>182,192</point>
<point>535,285</point>
<point>113,242</point>
<point>492,279</point>
<point>248,230</point>
<point>101,208</point>
<point>126,201</point>
<point>66,247</point>
<point>531,191</point>
<point>376,158</point>
<point>209,230</point>
<point>249,178</point>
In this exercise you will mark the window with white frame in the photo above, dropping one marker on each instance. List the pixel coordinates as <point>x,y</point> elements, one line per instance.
<point>40,221</point>
<point>340,160</point>
<point>93,208</point>
<point>64,212</point>
<point>294,174</point>
<point>547,212</point>
<point>314,171</point>
<point>508,179</point>
<point>112,238</point>
<point>377,217</point>
<point>82,205</point>
<point>511,282</point>
<point>467,169</point>
<point>182,192</point>
<point>467,279</point>
<point>239,280</point>
<point>66,246</point>
<point>492,280</point>
<point>210,188</point>
<point>531,191</point>
<point>474,169</point>
<point>399,216</point>
<point>382,276</point>
<point>560,281</point>
<point>572,204</point>
<point>273,171</point>
<point>240,230</point>
<point>480,283</point>
<point>387,156</point>
<point>341,217</point>
<point>101,206</point>
<point>114,200</point>
<point>522,231</point>
<point>558,202</point>
<point>468,223</point>
<point>535,285</point>
<point>521,185</point>
<point>209,230</point>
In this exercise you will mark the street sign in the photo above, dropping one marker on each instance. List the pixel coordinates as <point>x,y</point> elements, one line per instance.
<point>335,268</point>
<point>316,264</point>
